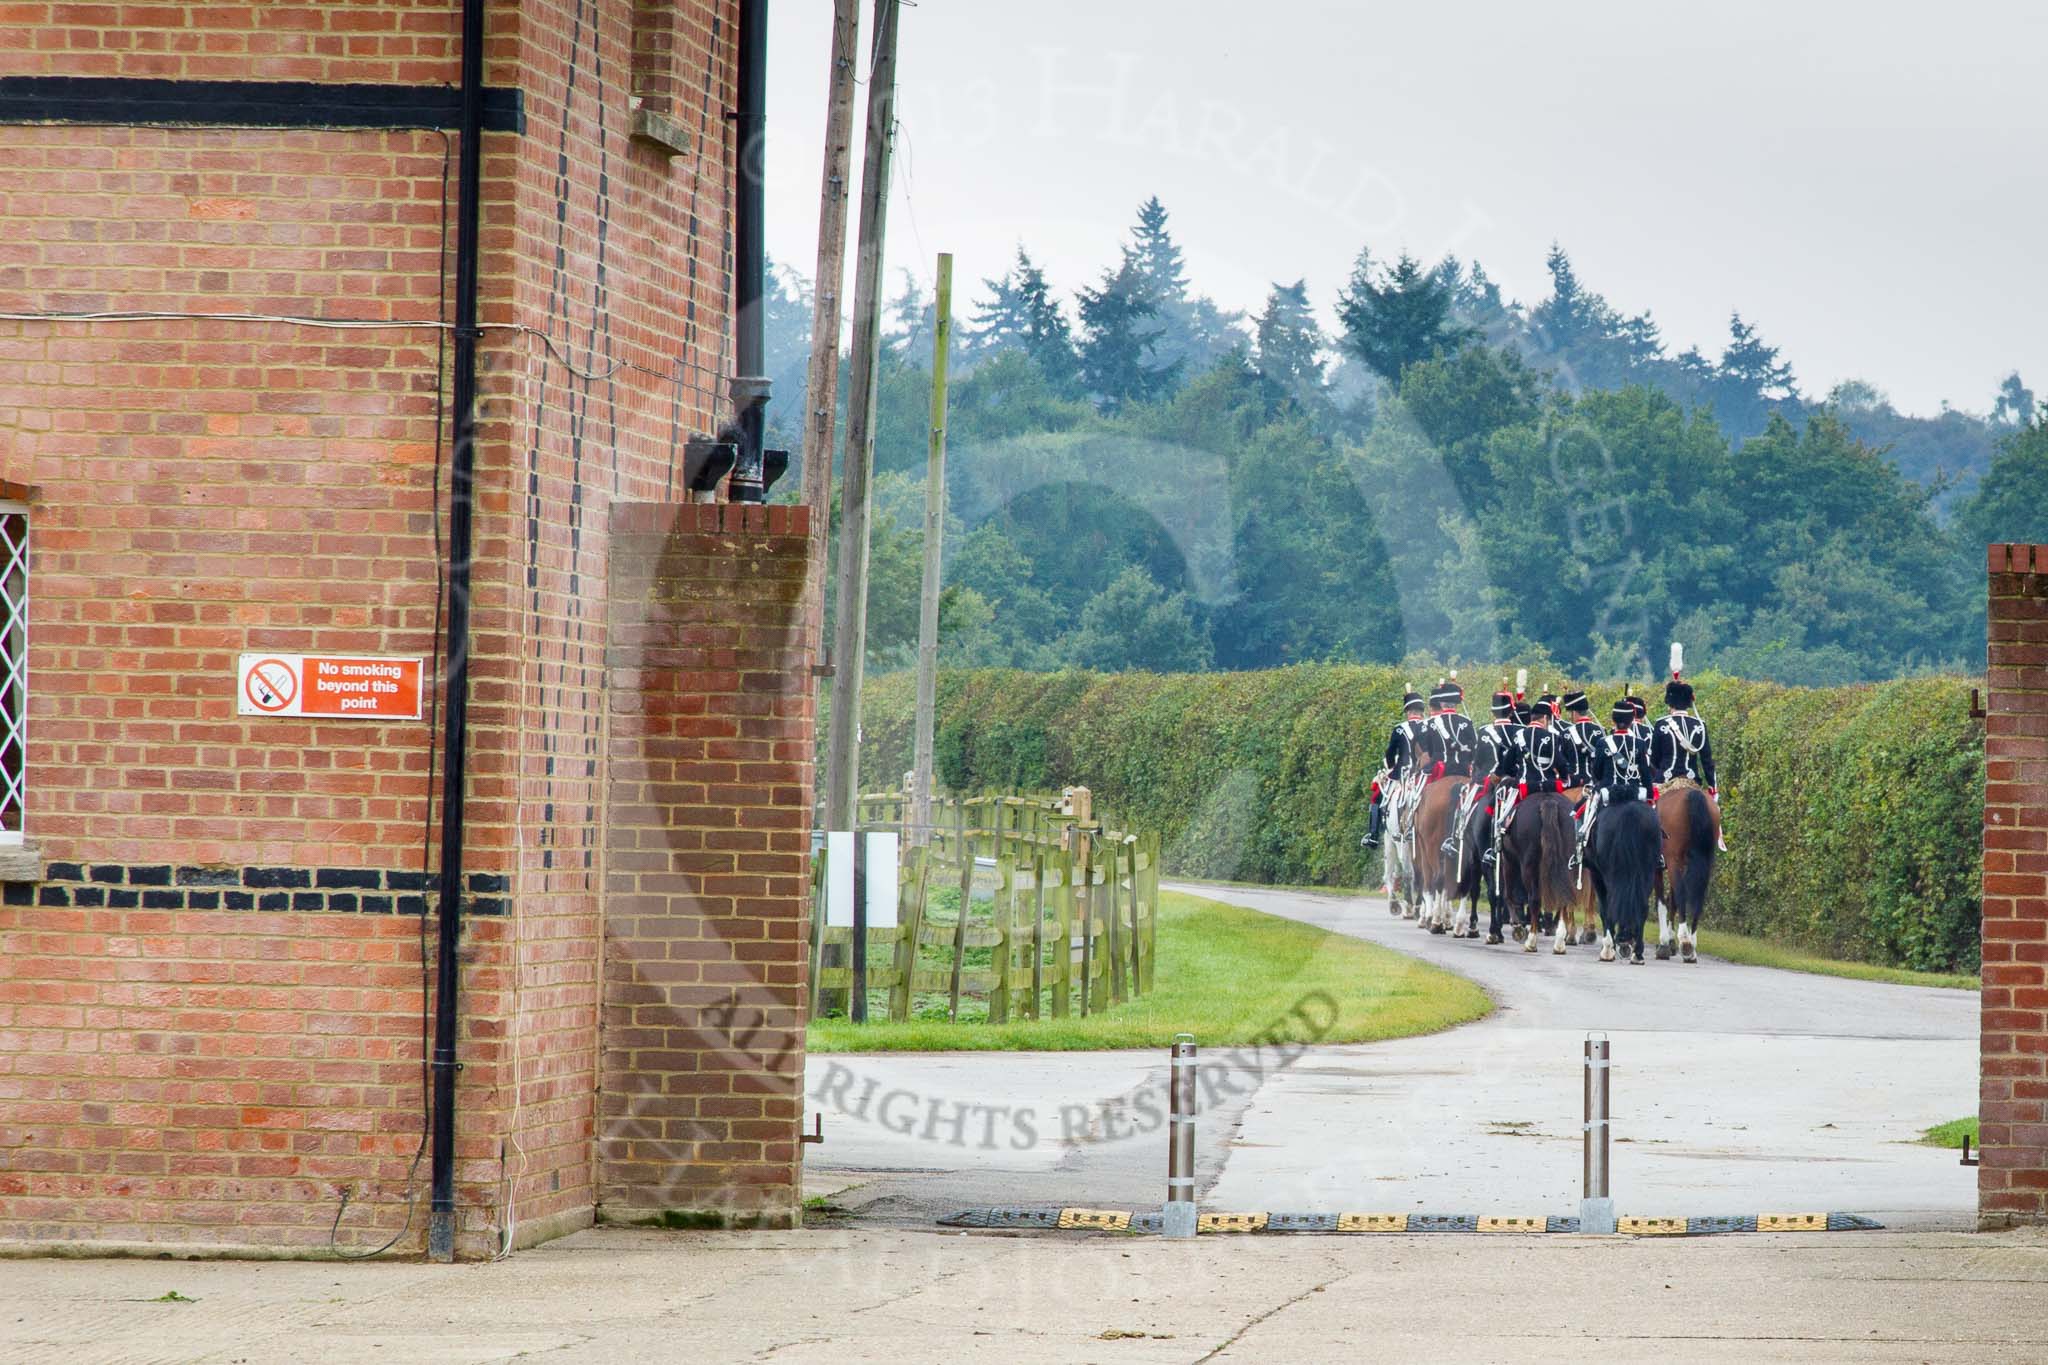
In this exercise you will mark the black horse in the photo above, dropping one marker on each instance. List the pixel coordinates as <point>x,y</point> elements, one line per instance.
<point>1471,875</point>
<point>1625,843</point>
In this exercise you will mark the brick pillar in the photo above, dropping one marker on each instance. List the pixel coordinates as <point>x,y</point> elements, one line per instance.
<point>2012,1183</point>
<point>707,843</point>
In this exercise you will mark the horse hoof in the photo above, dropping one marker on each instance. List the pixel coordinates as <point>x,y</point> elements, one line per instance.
<point>1492,939</point>
<point>1663,952</point>
<point>1557,950</point>
<point>1607,954</point>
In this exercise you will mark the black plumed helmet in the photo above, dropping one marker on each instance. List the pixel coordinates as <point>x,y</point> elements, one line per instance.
<point>1503,704</point>
<point>1624,710</point>
<point>1575,700</point>
<point>1678,695</point>
<point>1410,699</point>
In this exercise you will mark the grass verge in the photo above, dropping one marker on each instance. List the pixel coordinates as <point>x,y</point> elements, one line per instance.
<point>1226,975</point>
<point>1758,952</point>
<point>1952,1133</point>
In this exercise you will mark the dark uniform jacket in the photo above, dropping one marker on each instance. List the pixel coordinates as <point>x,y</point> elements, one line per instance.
<point>1500,751</point>
<point>1679,747</point>
<point>1451,739</point>
<point>1575,756</point>
<point>1541,759</point>
<point>1620,767</point>
<point>1404,748</point>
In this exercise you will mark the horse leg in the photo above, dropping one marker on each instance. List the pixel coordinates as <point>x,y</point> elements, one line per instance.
<point>1564,931</point>
<point>1688,942</point>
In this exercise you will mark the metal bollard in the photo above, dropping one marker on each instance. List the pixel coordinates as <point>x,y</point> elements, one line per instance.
<point>1596,1208</point>
<point>1178,1218</point>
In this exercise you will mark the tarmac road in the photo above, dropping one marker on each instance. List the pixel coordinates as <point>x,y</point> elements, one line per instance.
<point>1736,1090</point>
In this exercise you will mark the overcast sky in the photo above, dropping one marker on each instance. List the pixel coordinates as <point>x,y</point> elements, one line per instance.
<point>1865,181</point>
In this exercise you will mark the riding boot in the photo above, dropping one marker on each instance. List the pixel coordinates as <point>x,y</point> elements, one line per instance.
<point>1375,822</point>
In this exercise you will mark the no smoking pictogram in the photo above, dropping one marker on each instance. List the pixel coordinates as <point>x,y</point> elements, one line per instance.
<point>272,685</point>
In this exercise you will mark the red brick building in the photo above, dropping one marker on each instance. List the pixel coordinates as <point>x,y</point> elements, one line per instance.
<point>217,928</point>
<point>2012,1181</point>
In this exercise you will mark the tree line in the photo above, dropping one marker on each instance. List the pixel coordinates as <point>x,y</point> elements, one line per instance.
<point>1147,480</point>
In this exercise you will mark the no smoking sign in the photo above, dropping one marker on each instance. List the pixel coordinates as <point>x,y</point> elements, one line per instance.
<point>343,687</point>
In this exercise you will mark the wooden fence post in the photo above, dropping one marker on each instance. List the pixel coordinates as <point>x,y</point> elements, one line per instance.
<point>1129,846</point>
<point>1063,956</point>
<point>966,855</point>
<point>817,963</point>
<point>910,923</point>
<point>999,957</point>
<point>1037,929</point>
<point>1113,929</point>
<point>1152,907</point>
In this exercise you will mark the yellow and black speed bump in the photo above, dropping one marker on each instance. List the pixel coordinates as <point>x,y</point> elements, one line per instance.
<point>1096,1220</point>
<point>1123,1220</point>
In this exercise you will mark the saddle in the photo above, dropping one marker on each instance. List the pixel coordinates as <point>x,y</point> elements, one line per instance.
<point>1679,784</point>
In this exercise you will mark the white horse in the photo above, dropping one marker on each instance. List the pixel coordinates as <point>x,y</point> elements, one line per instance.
<point>1398,851</point>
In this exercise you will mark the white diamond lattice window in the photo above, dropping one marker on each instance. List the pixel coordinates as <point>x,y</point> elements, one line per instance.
<point>13,670</point>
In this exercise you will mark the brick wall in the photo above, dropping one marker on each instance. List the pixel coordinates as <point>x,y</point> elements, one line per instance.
<point>412,41</point>
<point>706,856</point>
<point>2012,1182</point>
<point>201,488</point>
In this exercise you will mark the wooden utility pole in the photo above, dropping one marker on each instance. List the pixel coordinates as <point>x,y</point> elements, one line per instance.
<point>934,546</point>
<point>821,384</point>
<point>850,629</point>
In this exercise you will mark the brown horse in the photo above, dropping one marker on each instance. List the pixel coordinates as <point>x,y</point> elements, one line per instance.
<point>1538,843</point>
<point>1692,831</point>
<point>1436,872</point>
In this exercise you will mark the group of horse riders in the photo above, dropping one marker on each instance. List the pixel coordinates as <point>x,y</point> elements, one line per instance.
<point>1550,744</point>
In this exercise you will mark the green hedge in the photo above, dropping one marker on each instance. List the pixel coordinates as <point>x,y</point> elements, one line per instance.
<point>1853,812</point>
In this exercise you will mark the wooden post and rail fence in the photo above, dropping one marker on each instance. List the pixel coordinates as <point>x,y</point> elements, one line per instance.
<point>1065,910</point>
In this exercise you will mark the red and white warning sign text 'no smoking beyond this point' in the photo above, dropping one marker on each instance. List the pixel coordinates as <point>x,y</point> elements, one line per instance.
<point>355,687</point>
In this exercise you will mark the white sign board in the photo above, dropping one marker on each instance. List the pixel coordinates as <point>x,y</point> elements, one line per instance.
<point>879,858</point>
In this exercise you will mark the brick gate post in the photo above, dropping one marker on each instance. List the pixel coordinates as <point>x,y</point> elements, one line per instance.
<point>2012,1182</point>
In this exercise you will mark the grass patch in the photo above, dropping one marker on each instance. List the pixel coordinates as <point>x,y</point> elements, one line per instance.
<point>1952,1133</point>
<point>1227,975</point>
<point>1758,952</point>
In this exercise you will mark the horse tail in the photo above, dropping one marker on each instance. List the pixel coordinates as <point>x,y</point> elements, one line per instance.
<point>1627,838</point>
<point>1689,895</point>
<point>1555,840</point>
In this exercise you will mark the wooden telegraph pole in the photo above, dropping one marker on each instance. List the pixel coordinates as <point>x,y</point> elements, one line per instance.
<point>821,385</point>
<point>934,544</point>
<point>850,629</point>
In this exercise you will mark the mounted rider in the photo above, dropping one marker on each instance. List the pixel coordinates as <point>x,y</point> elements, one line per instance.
<point>1640,726</point>
<point>1621,772</point>
<point>1680,749</point>
<point>1450,742</point>
<point>1498,760</point>
<point>1577,741</point>
<point>1402,759</point>
<point>1537,770</point>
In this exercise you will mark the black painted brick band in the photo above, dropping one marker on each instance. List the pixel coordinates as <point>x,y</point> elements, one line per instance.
<point>322,890</point>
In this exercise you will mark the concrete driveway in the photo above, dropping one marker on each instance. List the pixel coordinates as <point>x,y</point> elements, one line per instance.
<point>1736,1090</point>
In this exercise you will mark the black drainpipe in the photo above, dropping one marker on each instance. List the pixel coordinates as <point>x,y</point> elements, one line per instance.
<point>749,385</point>
<point>455,709</point>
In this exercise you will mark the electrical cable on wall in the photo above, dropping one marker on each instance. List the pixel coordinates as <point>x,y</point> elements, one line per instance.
<point>412,1192</point>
